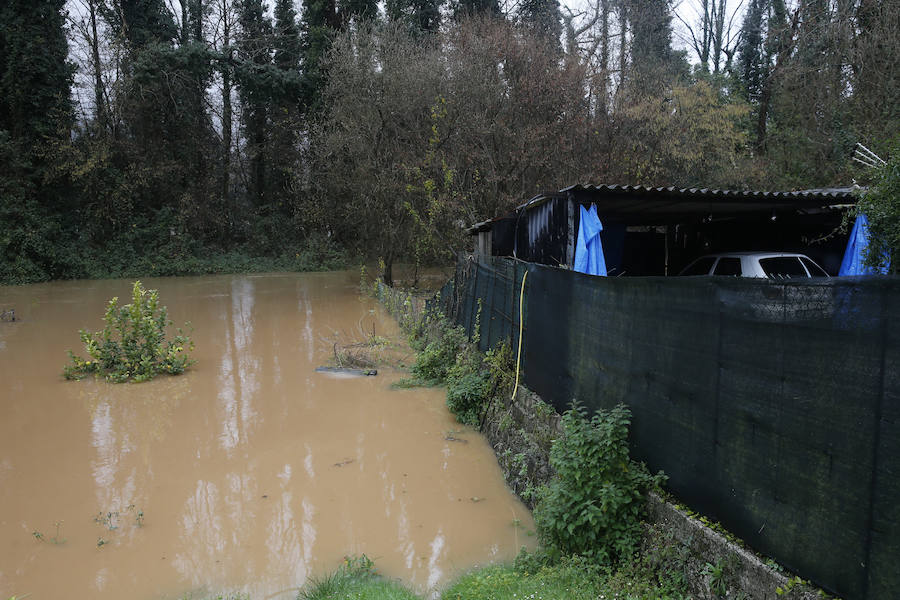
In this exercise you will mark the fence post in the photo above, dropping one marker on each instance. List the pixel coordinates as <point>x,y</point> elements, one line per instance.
<point>473,307</point>
<point>489,301</point>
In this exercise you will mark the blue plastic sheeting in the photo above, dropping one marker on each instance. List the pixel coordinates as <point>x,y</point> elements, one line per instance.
<point>589,249</point>
<point>854,256</point>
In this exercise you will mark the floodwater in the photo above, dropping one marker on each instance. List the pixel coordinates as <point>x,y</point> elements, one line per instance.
<point>248,474</point>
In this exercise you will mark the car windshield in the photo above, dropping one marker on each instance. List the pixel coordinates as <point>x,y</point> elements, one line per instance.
<point>783,267</point>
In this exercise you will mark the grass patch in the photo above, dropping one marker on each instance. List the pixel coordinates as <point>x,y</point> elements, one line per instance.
<point>356,579</point>
<point>341,586</point>
<point>573,578</point>
<point>506,582</point>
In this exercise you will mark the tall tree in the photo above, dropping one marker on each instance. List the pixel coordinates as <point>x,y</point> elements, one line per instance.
<point>286,106</point>
<point>769,36</point>
<point>654,64</point>
<point>35,75</point>
<point>318,25</point>
<point>466,9</point>
<point>254,57</point>
<point>417,15</point>
<point>223,32</point>
<point>35,114</point>
<point>542,17</point>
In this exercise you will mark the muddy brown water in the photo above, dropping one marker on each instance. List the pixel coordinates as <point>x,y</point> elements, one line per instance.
<point>248,474</point>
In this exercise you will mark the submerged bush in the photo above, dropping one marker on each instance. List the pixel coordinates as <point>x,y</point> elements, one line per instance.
<point>132,345</point>
<point>593,505</point>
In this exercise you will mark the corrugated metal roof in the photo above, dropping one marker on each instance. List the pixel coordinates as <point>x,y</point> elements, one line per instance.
<point>657,205</point>
<point>827,194</point>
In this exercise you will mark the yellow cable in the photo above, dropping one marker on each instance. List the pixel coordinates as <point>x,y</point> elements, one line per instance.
<point>521,322</point>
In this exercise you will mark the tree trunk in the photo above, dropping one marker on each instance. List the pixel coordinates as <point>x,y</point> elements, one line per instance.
<point>226,109</point>
<point>623,44</point>
<point>100,105</point>
<point>604,57</point>
<point>388,275</point>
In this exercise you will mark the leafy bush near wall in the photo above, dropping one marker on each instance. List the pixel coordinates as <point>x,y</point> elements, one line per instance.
<point>593,505</point>
<point>434,362</point>
<point>466,395</point>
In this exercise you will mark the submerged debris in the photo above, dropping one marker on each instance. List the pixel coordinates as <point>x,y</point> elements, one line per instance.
<point>348,371</point>
<point>365,349</point>
<point>343,463</point>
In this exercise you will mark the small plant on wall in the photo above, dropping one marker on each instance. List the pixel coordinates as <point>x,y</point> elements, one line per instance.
<point>132,346</point>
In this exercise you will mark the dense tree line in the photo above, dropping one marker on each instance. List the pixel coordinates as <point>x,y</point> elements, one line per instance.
<point>159,137</point>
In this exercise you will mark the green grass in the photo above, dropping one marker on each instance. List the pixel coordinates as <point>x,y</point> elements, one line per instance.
<point>573,579</point>
<point>348,586</point>
<point>507,583</point>
<point>569,579</point>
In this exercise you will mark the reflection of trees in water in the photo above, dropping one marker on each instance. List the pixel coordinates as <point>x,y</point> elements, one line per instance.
<point>127,421</point>
<point>239,367</point>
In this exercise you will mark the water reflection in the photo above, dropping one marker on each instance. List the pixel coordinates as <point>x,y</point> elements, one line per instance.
<point>239,366</point>
<point>203,537</point>
<point>251,473</point>
<point>435,573</point>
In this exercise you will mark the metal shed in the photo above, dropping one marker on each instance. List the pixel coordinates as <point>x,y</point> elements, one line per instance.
<point>655,231</point>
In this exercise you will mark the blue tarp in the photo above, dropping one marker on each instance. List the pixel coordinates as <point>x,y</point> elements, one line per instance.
<point>589,249</point>
<point>854,256</point>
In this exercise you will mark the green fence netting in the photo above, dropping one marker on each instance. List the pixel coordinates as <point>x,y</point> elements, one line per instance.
<point>772,406</point>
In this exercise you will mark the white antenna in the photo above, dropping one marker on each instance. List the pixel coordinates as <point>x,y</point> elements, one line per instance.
<point>866,157</point>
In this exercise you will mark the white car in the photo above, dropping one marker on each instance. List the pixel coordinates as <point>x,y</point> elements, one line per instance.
<point>770,265</point>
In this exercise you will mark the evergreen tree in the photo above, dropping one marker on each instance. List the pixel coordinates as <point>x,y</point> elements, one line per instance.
<point>254,59</point>
<point>357,12</point>
<point>286,106</point>
<point>35,77</point>
<point>417,15</point>
<point>655,65</point>
<point>317,28</point>
<point>140,22</point>
<point>36,237</point>
<point>542,17</point>
<point>751,57</point>
<point>474,8</point>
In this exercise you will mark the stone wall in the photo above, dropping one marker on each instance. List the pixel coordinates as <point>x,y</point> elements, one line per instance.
<point>521,432</point>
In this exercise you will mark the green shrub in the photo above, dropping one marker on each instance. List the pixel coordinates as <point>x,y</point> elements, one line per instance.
<point>881,205</point>
<point>466,395</point>
<point>593,506</point>
<point>439,355</point>
<point>132,345</point>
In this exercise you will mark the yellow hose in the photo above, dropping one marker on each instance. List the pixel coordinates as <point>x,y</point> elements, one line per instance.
<point>521,323</point>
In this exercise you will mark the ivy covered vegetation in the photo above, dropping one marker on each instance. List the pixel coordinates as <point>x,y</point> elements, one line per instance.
<point>132,346</point>
<point>881,205</point>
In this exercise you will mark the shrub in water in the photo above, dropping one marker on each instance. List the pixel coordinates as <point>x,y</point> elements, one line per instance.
<point>592,507</point>
<point>132,345</point>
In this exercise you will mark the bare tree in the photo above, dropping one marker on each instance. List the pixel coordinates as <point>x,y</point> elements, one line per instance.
<point>712,33</point>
